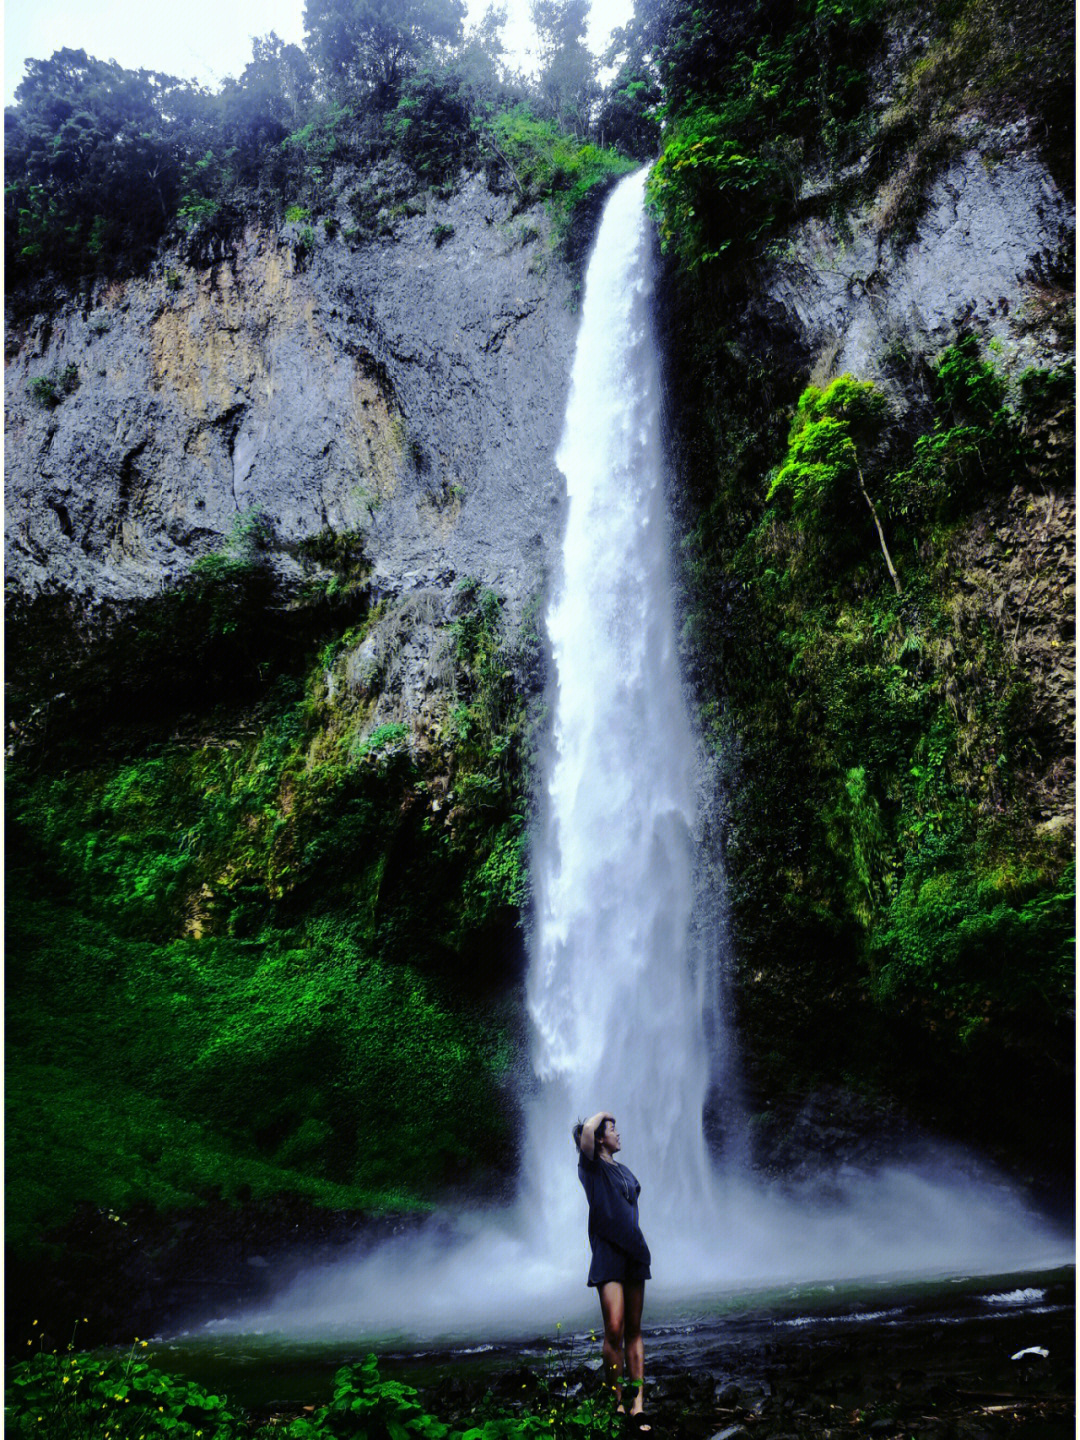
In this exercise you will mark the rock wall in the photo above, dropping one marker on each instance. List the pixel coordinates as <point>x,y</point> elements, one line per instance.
<point>802,657</point>
<point>410,388</point>
<point>991,224</point>
<point>987,256</point>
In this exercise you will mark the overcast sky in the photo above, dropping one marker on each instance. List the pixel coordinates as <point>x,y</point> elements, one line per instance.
<point>202,40</point>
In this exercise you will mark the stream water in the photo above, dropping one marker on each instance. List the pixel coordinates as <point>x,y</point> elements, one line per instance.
<point>625,989</point>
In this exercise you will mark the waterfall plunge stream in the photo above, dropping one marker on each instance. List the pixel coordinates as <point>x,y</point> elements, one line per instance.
<point>617,1014</point>
<point>620,999</point>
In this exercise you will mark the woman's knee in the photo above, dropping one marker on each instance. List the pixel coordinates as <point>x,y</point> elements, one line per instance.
<point>614,1331</point>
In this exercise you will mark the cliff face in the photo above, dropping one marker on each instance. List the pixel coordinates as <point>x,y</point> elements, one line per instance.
<point>278,515</point>
<point>408,391</point>
<point>990,226</point>
<point>988,257</point>
<point>894,769</point>
<point>403,398</point>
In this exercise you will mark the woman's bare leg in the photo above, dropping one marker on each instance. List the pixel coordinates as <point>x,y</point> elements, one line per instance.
<point>613,1308</point>
<point>634,1298</point>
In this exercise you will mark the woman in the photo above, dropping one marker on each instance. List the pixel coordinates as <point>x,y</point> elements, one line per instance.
<point>620,1257</point>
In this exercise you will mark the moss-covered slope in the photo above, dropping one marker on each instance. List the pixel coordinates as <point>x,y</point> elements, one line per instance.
<point>879,564</point>
<point>272,945</point>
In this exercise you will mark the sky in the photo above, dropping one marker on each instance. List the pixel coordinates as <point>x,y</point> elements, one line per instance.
<point>203,40</point>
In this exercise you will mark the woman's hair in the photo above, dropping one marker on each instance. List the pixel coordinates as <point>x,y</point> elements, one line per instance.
<point>580,1126</point>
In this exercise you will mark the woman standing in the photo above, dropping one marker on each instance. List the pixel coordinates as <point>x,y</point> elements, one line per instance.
<point>620,1257</point>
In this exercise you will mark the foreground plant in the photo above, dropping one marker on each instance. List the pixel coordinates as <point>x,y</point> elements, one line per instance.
<point>123,1398</point>
<point>73,1395</point>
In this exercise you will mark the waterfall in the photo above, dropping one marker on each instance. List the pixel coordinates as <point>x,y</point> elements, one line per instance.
<point>617,1011</point>
<point>625,988</point>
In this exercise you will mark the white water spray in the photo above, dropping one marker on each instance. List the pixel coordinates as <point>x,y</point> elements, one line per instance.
<point>619,1001</point>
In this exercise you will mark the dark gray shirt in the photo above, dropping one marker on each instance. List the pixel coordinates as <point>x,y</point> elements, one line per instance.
<point>612,1192</point>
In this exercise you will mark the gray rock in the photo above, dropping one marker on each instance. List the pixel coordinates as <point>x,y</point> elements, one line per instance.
<point>991,216</point>
<point>412,393</point>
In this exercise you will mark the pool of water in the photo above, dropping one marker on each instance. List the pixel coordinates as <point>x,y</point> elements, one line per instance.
<point>731,1327</point>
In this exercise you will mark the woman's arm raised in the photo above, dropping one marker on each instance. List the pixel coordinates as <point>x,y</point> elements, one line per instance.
<point>587,1143</point>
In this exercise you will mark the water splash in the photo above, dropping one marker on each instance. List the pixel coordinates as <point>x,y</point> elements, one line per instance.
<point>625,990</point>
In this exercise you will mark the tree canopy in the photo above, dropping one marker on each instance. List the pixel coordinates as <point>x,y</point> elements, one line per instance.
<point>103,163</point>
<point>367,47</point>
<point>93,159</point>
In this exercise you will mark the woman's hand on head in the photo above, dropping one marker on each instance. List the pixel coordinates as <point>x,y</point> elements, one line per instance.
<point>587,1143</point>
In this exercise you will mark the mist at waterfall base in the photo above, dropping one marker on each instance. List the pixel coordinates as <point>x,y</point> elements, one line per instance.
<point>626,994</point>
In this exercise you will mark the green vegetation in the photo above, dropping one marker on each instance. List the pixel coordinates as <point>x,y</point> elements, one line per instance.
<point>76,1394</point>
<point>103,164</point>
<point>743,131</point>
<point>297,893</point>
<point>758,96</point>
<point>49,390</point>
<point>823,466</point>
<point>548,164</point>
<point>897,840</point>
<point>883,728</point>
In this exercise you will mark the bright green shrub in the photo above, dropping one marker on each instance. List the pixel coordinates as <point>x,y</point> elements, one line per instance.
<point>739,141</point>
<point>183,923</point>
<point>58,1397</point>
<point>550,165</point>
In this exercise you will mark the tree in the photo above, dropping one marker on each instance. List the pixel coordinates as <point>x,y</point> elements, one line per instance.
<point>567,79</point>
<point>368,47</point>
<point>93,157</point>
<point>481,62</point>
<point>267,103</point>
<point>691,44</point>
<point>628,113</point>
<point>823,452</point>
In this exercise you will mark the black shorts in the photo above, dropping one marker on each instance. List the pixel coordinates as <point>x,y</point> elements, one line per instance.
<point>611,1263</point>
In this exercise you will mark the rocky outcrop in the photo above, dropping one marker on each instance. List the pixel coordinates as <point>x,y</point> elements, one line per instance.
<point>409,389</point>
<point>993,223</point>
<point>984,251</point>
<point>988,255</point>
